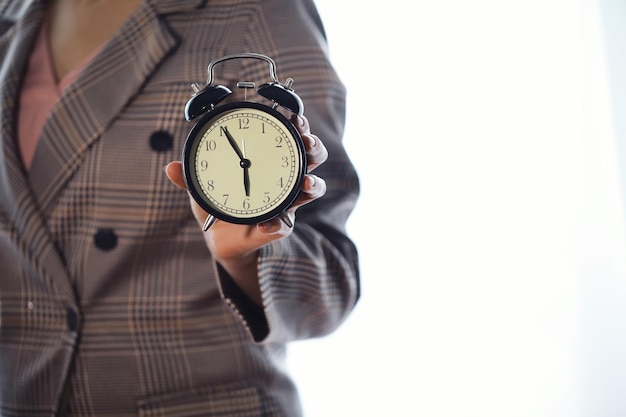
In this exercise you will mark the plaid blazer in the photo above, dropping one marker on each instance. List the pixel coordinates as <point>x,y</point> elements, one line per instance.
<point>110,303</point>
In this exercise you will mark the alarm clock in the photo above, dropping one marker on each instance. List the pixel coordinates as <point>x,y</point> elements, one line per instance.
<point>244,162</point>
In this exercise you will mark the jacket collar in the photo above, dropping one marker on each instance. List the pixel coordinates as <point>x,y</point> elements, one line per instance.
<point>88,106</point>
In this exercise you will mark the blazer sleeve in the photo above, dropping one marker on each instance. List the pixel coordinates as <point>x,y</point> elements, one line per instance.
<point>309,280</point>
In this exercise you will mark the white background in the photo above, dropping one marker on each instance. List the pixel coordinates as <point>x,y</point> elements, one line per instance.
<point>490,225</point>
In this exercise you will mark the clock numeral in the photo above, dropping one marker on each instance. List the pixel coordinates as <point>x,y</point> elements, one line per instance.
<point>246,204</point>
<point>210,185</point>
<point>285,160</point>
<point>204,165</point>
<point>244,123</point>
<point>211,145</point>
<point>225,198</point>
<point>279,142</point>
<point>266,198</point>
<point>281,183</point>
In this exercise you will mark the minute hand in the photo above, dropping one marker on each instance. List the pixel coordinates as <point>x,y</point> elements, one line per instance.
<point>243,161</point>
<point>232,142</point>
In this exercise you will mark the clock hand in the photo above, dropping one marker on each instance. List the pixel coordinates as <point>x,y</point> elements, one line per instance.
<point>246,178</point>
<point>245,164</point>
<point>232,142</point>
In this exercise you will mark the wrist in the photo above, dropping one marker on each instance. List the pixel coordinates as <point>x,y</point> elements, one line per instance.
<point>243,271</point>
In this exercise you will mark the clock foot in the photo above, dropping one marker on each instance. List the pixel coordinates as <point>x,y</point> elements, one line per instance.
<point>208,222</point>
<point>285,219</point>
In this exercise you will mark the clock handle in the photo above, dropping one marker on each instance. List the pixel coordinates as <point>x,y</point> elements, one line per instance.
<point>280,94</point>
<point>270,61</point>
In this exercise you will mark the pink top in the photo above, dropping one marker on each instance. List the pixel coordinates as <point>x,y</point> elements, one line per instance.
<point>39,94</point>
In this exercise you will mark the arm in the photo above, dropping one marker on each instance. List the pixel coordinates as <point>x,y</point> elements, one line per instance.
<point>301,282</point>
<point>236,247</point>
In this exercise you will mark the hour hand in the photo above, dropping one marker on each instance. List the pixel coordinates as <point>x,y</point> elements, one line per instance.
<point>232,142</point>
<point>245,164</point>
<point>246,178</point>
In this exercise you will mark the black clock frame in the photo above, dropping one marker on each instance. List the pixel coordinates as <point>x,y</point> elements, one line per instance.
<point>193,140</point>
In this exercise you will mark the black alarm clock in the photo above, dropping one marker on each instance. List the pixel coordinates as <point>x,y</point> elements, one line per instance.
<point>244,161</point>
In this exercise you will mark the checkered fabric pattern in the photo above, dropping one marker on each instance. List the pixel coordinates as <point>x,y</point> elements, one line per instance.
<point>110,303</point>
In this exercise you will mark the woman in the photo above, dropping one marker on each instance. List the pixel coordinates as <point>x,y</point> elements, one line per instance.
<point>113,301</point>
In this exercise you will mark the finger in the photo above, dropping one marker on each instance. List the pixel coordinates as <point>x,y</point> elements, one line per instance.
<point>276,227</point>
<point>174,171</point>
<point>312,188</point>
<point>301,123</point>
<point>316,152</point>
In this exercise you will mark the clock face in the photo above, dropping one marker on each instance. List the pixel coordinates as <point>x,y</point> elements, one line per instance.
<point>244,163</point>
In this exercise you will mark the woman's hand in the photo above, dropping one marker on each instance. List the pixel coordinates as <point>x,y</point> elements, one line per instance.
<point>235,247</point>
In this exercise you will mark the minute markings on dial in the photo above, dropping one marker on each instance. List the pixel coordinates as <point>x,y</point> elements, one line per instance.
<point>274,161</point>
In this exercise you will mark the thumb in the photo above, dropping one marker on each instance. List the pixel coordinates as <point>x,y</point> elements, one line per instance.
<point>174,171</point>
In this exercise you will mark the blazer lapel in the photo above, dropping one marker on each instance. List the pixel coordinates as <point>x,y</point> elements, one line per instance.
<point>18,209</point>
<point>89,104</point>
<point>15,46</point>
<point>84,111</point>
